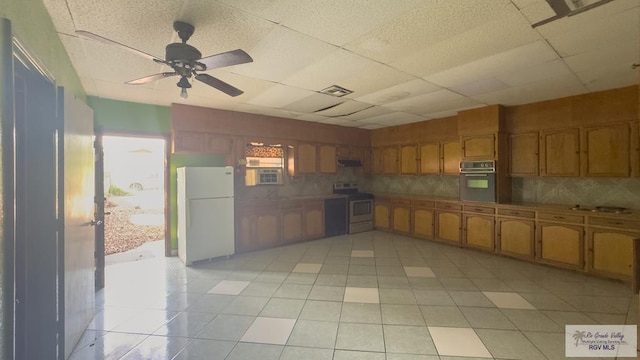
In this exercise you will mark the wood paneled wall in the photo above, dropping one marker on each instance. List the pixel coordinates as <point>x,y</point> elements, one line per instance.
<point>256,127</point>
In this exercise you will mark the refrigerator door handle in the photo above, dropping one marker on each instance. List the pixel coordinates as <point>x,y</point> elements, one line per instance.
<point>188,213</point>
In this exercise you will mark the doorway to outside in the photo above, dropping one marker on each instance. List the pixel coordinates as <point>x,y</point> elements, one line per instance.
<point>134,198</point>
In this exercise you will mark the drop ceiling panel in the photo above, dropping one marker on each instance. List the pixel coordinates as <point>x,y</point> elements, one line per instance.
<point>375,78</point>
<point>338,22</point>
<point>279,96</point>
<point>425,25</point>
<point>432,102</point>
<point>330,70</point>
<point>282,53</point>
<point>551,69</point>
<point>348,107</point>
<point>591,69</point>
<point>312,103</point>
<point>621,28</point>
<point>272,10</point>
<point>536,11</point>
<point>540,91</point>
<point>511,29</point>
<point>509,61</point>
<point>368,113</point>
<point>395,118</point>
<point>398,92</point>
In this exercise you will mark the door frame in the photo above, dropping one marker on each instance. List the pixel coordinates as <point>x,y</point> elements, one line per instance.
<point>167,189</point>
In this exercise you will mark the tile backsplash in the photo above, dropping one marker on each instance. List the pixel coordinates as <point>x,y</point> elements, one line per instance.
<point>439,186</point>
<point>622,192</point>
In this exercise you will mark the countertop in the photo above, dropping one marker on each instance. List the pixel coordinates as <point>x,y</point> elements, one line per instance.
<point>272,201</point>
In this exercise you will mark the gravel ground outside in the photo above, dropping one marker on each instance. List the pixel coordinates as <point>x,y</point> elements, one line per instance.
<point>133,221</point>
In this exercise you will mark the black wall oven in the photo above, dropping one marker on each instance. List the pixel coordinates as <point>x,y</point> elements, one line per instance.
<point>478,181</point>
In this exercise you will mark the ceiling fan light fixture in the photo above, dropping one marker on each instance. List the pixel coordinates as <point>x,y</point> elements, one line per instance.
<point>183,93</point>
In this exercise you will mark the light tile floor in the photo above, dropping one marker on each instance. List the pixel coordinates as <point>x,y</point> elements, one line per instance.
<point>372,295</point>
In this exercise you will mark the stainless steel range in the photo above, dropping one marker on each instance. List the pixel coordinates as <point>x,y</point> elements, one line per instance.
<point>360,207</point>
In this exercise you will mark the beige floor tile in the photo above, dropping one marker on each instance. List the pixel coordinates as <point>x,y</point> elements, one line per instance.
<point>508,300</point>
<point>361,295</point>
<point>229,287</point>
<point>451,341</point>
<point>266,330</point>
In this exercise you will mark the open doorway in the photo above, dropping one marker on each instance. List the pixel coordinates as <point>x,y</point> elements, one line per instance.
<point>134,189</point>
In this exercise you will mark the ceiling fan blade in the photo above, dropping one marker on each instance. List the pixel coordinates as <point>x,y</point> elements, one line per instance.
<point>104,40</point>
<point>219,84</point>
<point>150,78</point>
<point>233,57</point>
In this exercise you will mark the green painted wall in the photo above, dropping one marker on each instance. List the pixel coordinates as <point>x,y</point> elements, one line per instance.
<point>124,117</point>
<point>180,160</point>
<point>32,25</point>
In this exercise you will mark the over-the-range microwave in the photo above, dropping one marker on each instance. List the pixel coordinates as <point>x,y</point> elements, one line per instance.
<point>263,176</point>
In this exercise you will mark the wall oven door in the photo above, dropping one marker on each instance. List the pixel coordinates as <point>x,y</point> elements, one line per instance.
<point>478,187</point>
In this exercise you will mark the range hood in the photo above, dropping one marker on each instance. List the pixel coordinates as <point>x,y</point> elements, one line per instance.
<point>350,163</point>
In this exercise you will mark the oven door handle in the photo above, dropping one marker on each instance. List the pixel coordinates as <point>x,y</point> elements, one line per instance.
<point>477,174</point>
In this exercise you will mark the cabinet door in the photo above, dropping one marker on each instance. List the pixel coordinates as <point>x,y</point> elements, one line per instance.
<point>560,244</point>
<point>245,230</point>
<point>451,156</point>
<point>515,237</point>
<point>390,160</point>
<point>401,219</point>
<point>611,252</point>
<point>218,144</point>
<point>306,160</point>
<point>607,151</point>
<point>479,232</point>
<point>328,159</point>
<point>560,153</point>
<point>365,157</point>
<point>376,161</point>
<point>523,154</point>
<point>408,159</point>
<point>292,225</point>
<point>313,219</point>
<point>382,216</point>
<point>423,223</point>
<point>448,226</point>
<point>430,158</point>
<point>187,141</point>
<point>479,147</point>
<point>267,228</point>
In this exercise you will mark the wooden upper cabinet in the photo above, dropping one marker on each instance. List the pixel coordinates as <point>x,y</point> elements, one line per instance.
<point>365,157</point>
<point>327,163</point>
<point>188,141</point>
<point>479,147</point>
<point>390,160</point>
<point>451,156</point>
<point>430,158</point>
<point>408,159</point>
<point>606,150</point>
<point>523,154</point>
<point>376,161</point>
<point>560,154</point>
<point>306,159</point>
<point>218,144</point>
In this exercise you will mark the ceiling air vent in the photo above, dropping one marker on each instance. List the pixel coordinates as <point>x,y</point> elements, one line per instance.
<point>335,90</point>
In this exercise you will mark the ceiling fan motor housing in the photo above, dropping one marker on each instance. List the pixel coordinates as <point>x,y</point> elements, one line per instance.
<point>182,52</point>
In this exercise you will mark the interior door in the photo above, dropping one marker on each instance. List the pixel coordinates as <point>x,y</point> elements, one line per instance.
<point>99,210</point>
<point>79,231</point>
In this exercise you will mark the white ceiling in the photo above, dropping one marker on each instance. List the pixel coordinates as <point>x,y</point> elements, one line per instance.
<point>405,61</point>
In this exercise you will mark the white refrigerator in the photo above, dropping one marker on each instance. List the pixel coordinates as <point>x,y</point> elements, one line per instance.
<point>205,213</point>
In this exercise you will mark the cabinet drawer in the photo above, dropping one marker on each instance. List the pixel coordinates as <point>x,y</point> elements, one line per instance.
<point>618,223</point>
<point>449,206</point>
<point>479,209</point>
<point>398,201</point>
<point>519,213</point>
<point>577,219</point>
<point>422,203</point>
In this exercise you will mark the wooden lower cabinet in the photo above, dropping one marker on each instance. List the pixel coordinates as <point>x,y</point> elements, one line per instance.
<point>292,230</point>
<point>448,226</point>
<point>561,245</point>
<point>422,216</point>
<point>258,228</point>
<point>382,214</point>
<point>401,215</point>
<point>515,237</point>
<point>313,219</point>
<point>479,232</point>
<point>610,252</point>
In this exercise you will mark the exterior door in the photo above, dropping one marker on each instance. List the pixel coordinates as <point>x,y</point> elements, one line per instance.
<point>99,210</point>
<point>79,230</point>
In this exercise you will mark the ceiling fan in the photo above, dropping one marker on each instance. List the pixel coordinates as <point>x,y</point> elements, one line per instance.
<point>185,60</point>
